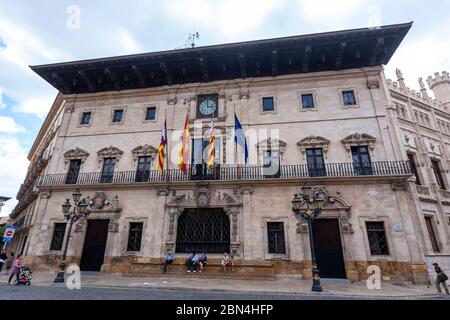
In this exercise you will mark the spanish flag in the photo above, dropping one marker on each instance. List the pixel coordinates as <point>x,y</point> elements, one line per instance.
<point>212,148</point>
<point>184,150</point>
<point>162,148</point>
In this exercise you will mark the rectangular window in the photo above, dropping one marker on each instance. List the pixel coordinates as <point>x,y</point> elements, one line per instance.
<point>275,232</point>
<point>268,104</point>
<point>74,171</point>
<point>432,234</point>
<point>135,236</point>
<point>118,116</point>
<point>58,237</point>
<point>316,165</point>
<point>412,163</point>
<point>143,169</point>
<point>108,170</point>
<point>361,161</point>
<point>348,97</point>
<point>200,156</point>
<point>307,101</point>
<point>438,174</point>
<point>86,118</point>
<point>271,163</point>
<point>377,238</point>
<point>150,113</point>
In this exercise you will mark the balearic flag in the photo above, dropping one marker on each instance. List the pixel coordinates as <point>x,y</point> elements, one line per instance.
<point>184,150</point>
<point>162,148</point>
<point>239,136</point>
<point>212,148</point>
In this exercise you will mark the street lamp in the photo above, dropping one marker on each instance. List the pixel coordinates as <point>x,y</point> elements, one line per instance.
<point>80,210</point>
<point>314,204</point>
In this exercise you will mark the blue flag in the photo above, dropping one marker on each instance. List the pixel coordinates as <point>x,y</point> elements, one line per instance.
<point>239,136</point>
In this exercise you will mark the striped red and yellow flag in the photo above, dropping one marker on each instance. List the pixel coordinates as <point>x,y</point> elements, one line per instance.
<point>162,148</point>
<point>212,148</point>
<point>184,150</point>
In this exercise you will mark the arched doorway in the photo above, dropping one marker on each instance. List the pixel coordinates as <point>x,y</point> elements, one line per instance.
<point>203,230</point>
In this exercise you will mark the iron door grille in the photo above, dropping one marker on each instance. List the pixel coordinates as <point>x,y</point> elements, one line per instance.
<point>203,230</point>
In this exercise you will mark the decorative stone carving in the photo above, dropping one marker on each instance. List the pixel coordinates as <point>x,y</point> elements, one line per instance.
<point>109,152</point>
<point>313,142</point>
<point>69,109</point>
<point>202,195</point>
<point>103,208</point>
<point>144,151</point>
<point>98,200</point>
<point>373,84</point>
<point>75,154</point>
<point>398,186</point>
<point>244,94</point>
<point>271,144</point>
<point>346,225</point>
<point>358,139</point>
<point>335,206</point>
<point>172,100</point>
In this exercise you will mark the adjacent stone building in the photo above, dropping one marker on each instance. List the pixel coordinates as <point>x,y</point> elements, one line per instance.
<point>314,108</point>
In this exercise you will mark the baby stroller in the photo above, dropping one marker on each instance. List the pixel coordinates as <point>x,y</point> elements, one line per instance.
<point>24,276</point>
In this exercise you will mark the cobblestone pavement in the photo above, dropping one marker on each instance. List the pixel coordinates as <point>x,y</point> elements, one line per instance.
<point>58,292</point>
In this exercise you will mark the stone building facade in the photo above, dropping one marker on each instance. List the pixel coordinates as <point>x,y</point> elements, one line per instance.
<point>422,124</point>
<point>317,108</point>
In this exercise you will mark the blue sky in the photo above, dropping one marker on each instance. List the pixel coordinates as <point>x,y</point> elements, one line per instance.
<point>37,32</point>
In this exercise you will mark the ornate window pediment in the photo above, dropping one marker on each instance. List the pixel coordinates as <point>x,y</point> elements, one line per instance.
<point>271,144</point>
<point>75,154</point>
<point>358,139</point>
<point>313,142</point>
<point>144,151</point>
<point>109,152</point>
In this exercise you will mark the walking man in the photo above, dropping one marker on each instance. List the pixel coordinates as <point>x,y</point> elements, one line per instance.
<point>440,278</point>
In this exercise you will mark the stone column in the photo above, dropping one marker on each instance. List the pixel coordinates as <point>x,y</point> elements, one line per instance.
<point>247,235</point>
<point>158,220</point>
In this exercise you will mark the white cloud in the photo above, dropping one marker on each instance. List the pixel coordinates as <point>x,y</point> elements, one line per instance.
<point>332,12</point>
<point>422,56</point>
<point>38,106</point>
<point>9,125</point>
<point>2,103</point>
<point>22,47</point>
<point>13,164</point>
<point>127,42</point>
<point>230,18</point>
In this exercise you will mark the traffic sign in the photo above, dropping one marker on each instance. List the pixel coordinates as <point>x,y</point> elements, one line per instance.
<point>9,234</point>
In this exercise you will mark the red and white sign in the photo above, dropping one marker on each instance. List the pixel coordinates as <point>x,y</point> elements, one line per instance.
<point>9,234</point>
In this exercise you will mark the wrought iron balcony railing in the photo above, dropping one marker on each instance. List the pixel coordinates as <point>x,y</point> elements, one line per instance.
<point>230,173</point>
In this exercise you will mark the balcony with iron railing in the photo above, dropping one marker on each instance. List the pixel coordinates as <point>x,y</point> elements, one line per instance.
<point>231,173</point>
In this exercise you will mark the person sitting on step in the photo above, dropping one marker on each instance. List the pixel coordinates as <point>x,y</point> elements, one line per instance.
<point>203,261</point>
<point>192,262</point>
<point>227,260</point>
<point>168,260</point>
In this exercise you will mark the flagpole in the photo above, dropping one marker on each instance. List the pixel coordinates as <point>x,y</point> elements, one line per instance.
<point>167,146</point>
<point>238,170</point>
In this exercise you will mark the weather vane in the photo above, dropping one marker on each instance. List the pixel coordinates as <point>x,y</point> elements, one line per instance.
<point>192,38</point>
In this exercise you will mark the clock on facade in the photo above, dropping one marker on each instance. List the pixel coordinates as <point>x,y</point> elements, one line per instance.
<point>207,106</point>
